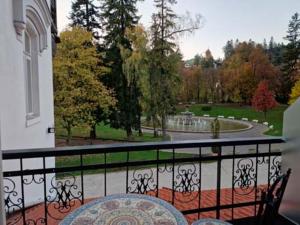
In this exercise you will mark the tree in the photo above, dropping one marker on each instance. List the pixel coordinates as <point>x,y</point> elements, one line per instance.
<point>263,99</point>
<point>210,78</point>
<point>166,26</point>
<point>135,68</point>
<point>197,73</point>
<point>118,16</point>
<point>275,52</point>
<point>85,14</point>
<point>295,93</point>
<point>244,70</point>
<point>77,91</point>
<point>290,58</point>
<point>190,83</point>
<point>228,49</point>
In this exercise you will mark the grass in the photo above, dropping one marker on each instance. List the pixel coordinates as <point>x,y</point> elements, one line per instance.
<point>274,117</point>
<point>105,132</point>
<point>93,159</point>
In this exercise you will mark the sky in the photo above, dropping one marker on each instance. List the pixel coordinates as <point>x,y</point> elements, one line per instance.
<point>223,20</point>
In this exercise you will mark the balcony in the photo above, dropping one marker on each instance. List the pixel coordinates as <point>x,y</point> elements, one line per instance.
<point>226,185</point>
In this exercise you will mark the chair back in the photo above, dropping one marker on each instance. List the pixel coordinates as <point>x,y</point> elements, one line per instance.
<point>271,200</point>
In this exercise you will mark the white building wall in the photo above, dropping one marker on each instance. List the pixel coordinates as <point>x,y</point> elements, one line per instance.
<point>290,206</point>
<point>14,130</point>
<point>2,210</point>
<point>15,134</point>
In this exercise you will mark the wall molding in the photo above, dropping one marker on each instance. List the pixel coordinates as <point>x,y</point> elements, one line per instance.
<point>38,12</point>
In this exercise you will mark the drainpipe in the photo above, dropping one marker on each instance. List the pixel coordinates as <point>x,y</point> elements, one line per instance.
<point>2,211</point>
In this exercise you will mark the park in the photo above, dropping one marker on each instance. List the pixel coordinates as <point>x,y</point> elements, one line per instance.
<point>153,112</point>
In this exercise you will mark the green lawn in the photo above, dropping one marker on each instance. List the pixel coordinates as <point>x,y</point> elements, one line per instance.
<point>274,117</point>
<point>93,159</point>
<point>105,132</point>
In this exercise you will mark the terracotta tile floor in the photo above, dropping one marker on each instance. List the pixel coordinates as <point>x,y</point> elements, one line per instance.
<point>181,202</point>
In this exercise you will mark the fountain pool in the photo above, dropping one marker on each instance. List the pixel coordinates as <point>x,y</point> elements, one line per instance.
<point>191,123</point>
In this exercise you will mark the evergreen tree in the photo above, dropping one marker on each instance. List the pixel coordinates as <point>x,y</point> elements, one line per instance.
<point>272,44</point>
<point>290,58</point>
<point>275,51</point>
<point>228,49</point>
<point>197,64</point>
<point>265,45</point>
<point>85,14</point>
<point>197,60</point>
<point>166,57</point>
<point>118,16</point>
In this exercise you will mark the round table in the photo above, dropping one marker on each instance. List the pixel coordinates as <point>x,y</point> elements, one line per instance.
<point>127,209</point>
<point>210,222</point>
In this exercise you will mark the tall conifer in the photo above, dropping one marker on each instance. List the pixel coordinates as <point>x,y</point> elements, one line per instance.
<point>290,58</point>
<point>118,16</point>
<point>166,57</point>
<point>86,14</point>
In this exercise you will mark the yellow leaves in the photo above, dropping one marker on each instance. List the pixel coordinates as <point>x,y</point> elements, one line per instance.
<point>245,69</point>
<point>134,60</point>
<point>295,93</point>
<point>78,91</point>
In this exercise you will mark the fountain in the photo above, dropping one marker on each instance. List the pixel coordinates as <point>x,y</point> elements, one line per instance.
<point>188,117</point>
<point>188,122</point>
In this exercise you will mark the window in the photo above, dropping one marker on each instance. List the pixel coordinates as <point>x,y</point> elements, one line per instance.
<point>31,73</point>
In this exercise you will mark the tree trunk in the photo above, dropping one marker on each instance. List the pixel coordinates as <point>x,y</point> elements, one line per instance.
<point>69,135</point>
<point>141,132</point>
<point>155,134</point>
<point>163,127</point>
<point>93,134</point>
<point>129,134</point>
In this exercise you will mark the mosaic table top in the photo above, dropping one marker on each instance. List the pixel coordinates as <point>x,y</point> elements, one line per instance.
<point>129,209</point>
<point>211,222</point>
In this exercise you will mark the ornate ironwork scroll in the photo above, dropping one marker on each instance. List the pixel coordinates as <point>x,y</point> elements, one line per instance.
<point>12,200</point>
<point>63,196</point>
<point>142,182</point>
<point>244,178</point>
<point>275,168</point>
<point>166,168</point>
<point>186,183</point>
<point>36,222</point>
<point>263,160</point>
<point>37,179</point>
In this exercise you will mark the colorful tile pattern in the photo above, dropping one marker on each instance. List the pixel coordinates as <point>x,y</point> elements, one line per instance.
<point>126,210</point>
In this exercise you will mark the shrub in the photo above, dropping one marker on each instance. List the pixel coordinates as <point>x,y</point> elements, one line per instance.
<point>206,108</point>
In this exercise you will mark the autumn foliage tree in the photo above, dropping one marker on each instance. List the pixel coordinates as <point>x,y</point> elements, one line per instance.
<point>263,99</point>
<point>77,89</point>
<point>244,70</point>
<point>190,83</point>
<point>295,93</point>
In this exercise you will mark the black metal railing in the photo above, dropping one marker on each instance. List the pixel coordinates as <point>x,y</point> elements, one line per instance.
<point>183,170</point>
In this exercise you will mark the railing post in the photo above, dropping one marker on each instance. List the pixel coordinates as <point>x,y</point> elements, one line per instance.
<point>219,181</point>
